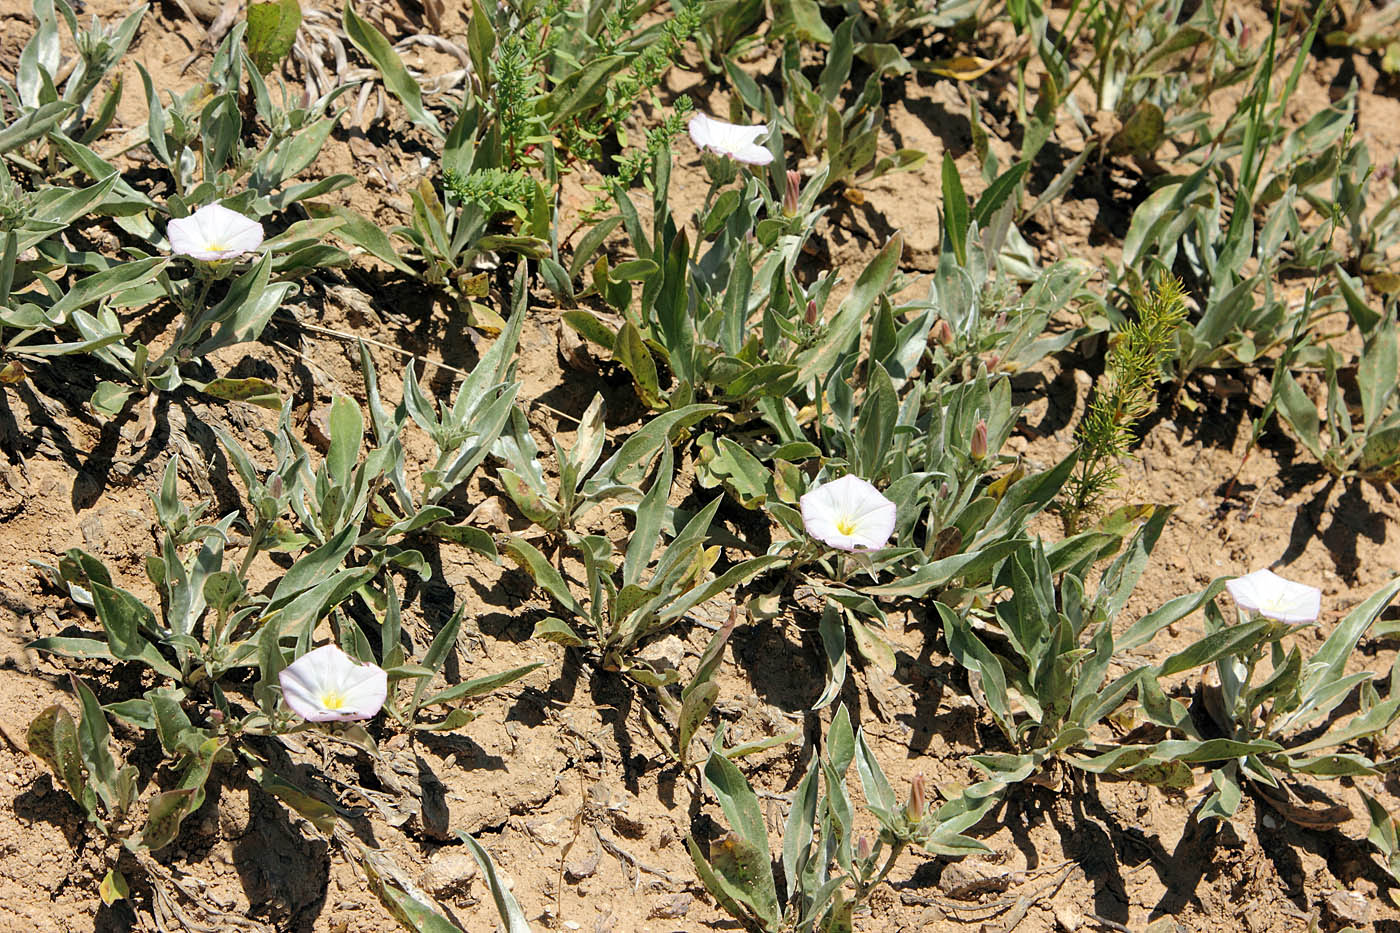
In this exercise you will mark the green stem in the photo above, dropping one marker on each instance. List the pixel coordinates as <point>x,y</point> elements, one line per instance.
<point>254,545</point>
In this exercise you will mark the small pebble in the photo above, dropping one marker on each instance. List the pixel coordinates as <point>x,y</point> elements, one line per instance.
<point>1348,907</point>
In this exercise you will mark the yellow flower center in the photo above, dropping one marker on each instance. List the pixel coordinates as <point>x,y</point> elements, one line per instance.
<point>846,526</point>
<point>332,700</point>
<point>216,247</point>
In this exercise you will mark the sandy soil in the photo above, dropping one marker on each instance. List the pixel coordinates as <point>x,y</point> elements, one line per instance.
<point>559,776</point>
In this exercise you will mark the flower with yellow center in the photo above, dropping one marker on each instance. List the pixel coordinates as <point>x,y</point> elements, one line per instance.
<point>327,685</point>
<point>848,514</point>
<point>1271,596</point>
<point>214,233</point>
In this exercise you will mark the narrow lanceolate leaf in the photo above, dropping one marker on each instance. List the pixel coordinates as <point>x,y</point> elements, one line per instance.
<point>404,901</point>
<point>744,869</point>
<point>695,709</point>
<point>844,328</point>
<point>396,77</point>
<point>528,558</point>
<point>93,735</point>
<point>252,390</point>
<point>481,686</point>
<point>113,887</point>
<point>720,888</point>
<point>740,859</point>
<point>506,907</point>
<point>169,809</point>
<point>955,213</point>
<point>997,193</point>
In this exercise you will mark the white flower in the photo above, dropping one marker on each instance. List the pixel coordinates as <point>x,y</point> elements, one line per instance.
<point>327,685</point>
<point>730,139</point>
<point>848,514</point>
<point>214,232</point>
<point>1273,597</point>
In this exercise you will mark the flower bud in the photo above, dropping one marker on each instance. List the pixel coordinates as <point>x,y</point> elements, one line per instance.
<point>993,361</point>
<point>811,316</point>
<point>216,716</point>
<point>1000,321</point>
<point>275,486</point>
<point>942,333</point>
<point>978,448</point>
<point>863,848</point>
<point>918,799</point>
<point>790,194</point>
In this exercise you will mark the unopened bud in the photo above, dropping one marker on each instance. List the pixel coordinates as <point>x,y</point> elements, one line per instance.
<point>942,333</point>
<point>811,316</point>
<point>993,361</point>
<point>863,848</point>
<point>791,192</point>
<point>918,799</point>
<point>216,716</point>
<point>1000,321</point>
<point>978,449</point>
<point>275,486</point>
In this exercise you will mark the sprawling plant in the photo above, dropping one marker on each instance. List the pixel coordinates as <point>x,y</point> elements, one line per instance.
<point>726,319</point>
<point>1042,657</point>
<point>827,872</point>
<point>649,591</point>
<point>1348,442</point>
<point>843,135</point>
<point>67,299</point>
<point>1291,710</point>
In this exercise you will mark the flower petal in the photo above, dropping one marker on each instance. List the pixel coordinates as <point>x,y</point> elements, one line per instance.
<point>1274,597</point>
<point>700,133</point>
<point>848,513</point>
<point>363,698</point>
<point>359,690</point>
<point>753,155</point>
<point>735,140</point>
<point>212,233</point>
<point>873,530</point>
<point>184,235</point>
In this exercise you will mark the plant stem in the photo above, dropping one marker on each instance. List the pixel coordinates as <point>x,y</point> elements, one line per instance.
<point>254,544</point>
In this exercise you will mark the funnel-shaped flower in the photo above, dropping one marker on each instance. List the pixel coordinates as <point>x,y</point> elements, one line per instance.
<point>214,232</point>
<point>848,514</point>
<point>1273,597</point>
<point>730,139</point>
<point>327,685</point>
